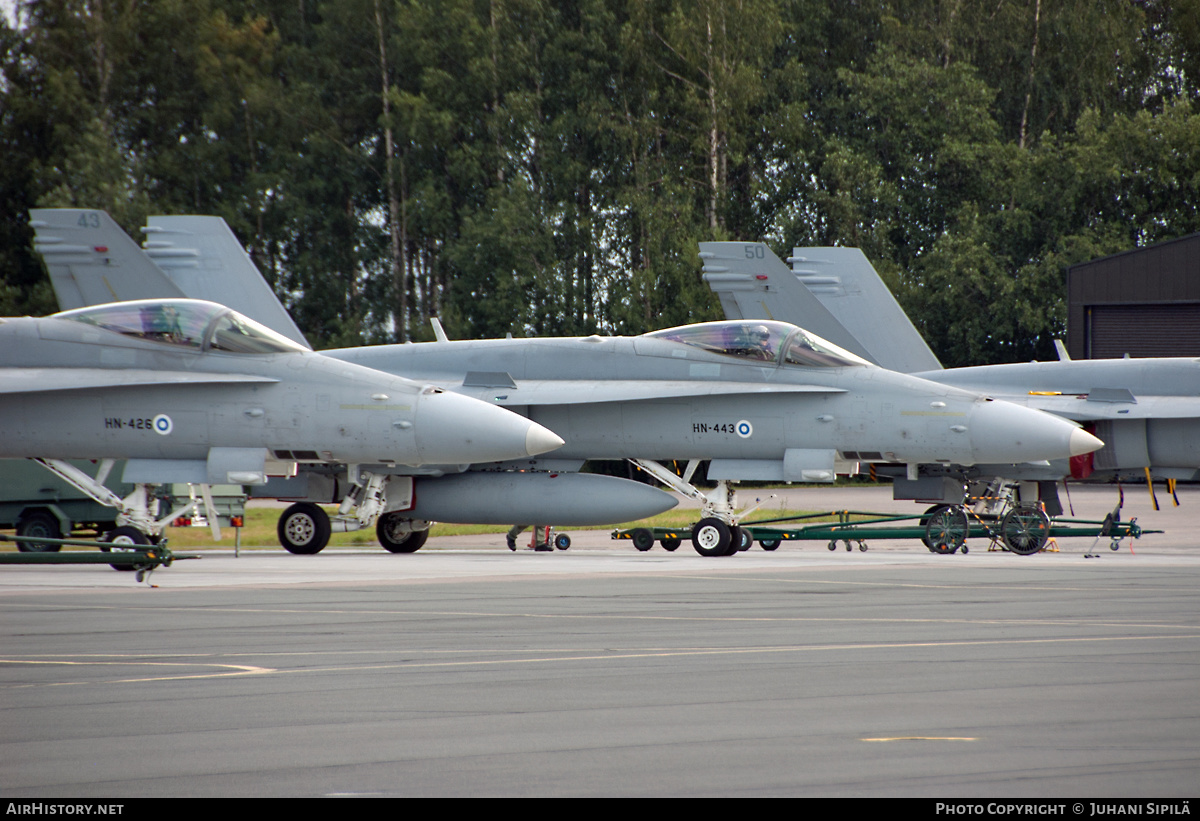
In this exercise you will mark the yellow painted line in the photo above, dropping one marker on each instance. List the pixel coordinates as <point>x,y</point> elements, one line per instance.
<point>226,670</point>
<point>242,670</point>
<point>922,738</point>
<point>932,413</point>
<point>1005,622</point>
<point>376,407</point>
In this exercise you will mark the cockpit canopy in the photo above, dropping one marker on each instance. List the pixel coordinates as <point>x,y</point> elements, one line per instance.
<point>187,323</point>
<point>762,341</point>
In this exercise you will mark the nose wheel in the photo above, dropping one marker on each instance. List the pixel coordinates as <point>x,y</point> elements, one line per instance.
<point>712,537</point>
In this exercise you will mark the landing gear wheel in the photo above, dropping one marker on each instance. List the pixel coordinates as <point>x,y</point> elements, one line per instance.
<point>745,540</point>
<point>396,537</point>
<point>768,544</point>
<point>303,529</point>
<point>670,543</point>
<point>1025,530</point>
<point>40,524</point>
<point>562,541</point>
<point>643,539</point>
<point>129,540</point>
<point>712,537</point>
<point>947,528</point>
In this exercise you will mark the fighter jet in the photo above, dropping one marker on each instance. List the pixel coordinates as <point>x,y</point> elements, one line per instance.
<point>91,260</point>
<point>191,391</point>
<point>761,400</point>
<point>1147,411</point>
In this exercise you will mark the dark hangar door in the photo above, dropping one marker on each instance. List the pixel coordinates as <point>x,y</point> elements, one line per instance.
<point>1143,330</point>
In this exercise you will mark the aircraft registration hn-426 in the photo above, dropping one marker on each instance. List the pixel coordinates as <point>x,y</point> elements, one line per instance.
<point>761,400</point>
<point>191,391</point>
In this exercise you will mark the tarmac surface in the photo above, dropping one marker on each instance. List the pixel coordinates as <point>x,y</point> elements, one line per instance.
<point>466,669</point>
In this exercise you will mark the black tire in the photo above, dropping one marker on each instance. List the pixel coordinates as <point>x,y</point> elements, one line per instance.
<point>642,538</point>
<point>129,538</point>
<point>1025,530</point>
<point>670,543</point>
<point>39,523</point>
<point>562,541</point>
<point>396,540</point>
<point>769,544</point>
<point>946,529</point>
<point>303,529</point>
<point>744,540</point>
<point>712,537</point>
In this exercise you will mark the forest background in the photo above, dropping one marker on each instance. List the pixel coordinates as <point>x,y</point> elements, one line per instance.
<point>545,167</point>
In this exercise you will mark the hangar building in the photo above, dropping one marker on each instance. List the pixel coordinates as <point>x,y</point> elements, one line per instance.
<point>1144,302</point>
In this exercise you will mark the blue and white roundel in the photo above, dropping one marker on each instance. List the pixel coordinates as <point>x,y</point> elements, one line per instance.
<point>163,424</point>
<point>745,429</point>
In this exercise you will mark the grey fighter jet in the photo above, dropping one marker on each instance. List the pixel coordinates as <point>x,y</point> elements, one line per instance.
<point>91,260</point>
<point>191,391</point>
<point>1147,411</point>
<point>761,400</point>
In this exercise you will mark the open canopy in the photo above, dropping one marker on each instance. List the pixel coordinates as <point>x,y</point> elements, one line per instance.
<point>762,341</point>
<point>188,323</point>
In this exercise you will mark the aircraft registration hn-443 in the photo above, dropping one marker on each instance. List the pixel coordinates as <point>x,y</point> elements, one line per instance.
<point>191,391</point>
<point>1146,411</point>
<point>760,400</point>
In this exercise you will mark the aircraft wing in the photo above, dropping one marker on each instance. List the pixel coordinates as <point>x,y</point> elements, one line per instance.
<point>580,391</point>
<point>36,380</point>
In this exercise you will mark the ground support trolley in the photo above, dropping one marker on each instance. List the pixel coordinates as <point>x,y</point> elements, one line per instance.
<point>1024,530</point>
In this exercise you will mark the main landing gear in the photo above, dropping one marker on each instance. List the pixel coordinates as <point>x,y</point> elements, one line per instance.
<point>717,533</point>
<point>305,528</point>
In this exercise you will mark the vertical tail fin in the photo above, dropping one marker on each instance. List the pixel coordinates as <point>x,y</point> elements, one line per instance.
<point>833,292</point>
<point>204,259</point>
<point>91,260</point>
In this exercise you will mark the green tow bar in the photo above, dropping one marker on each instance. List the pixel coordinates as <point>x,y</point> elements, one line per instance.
<point>140,558</point>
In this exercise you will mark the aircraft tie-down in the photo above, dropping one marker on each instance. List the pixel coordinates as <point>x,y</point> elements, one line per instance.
<point>761,400</point>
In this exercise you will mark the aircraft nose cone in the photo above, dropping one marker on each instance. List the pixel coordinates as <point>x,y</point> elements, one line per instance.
<point>456,429</point>
<point>1083,442</point>
<point>1005,433</point>
<point>540,439</point>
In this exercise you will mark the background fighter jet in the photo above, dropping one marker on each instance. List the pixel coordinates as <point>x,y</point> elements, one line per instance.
<point>1147,411</point>
<point>762,400</point>
<point>190,391</point>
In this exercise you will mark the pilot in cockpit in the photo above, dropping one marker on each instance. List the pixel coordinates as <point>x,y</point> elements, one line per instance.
<point>760,342</point>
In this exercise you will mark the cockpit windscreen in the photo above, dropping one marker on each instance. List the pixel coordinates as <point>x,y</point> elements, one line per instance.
<point>187,323</point>
<point>762,341</point>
